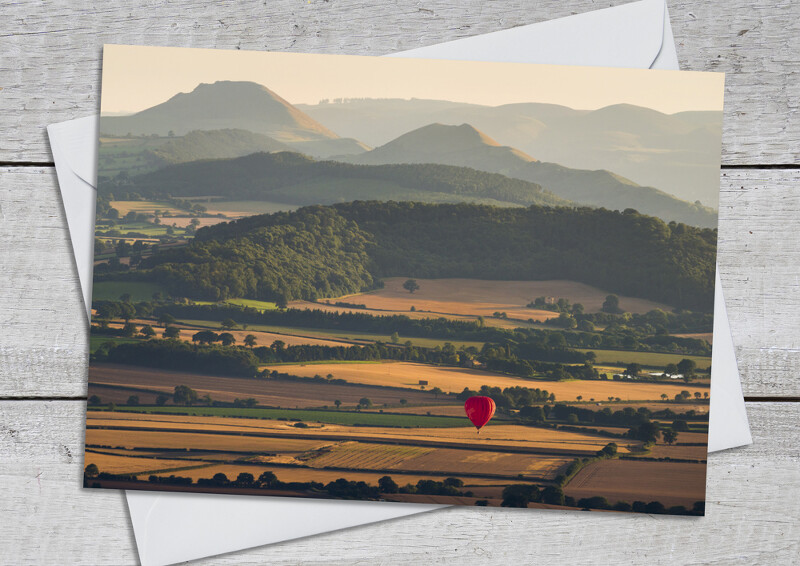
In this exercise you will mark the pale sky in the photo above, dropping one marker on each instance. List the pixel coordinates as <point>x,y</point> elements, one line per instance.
<point>136,78</point>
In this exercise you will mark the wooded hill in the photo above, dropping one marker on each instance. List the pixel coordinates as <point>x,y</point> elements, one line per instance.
<point>324,251</point>
<point>293,178</point>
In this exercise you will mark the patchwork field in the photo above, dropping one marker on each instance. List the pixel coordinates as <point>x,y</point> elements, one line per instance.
<point>627,480</point>
<point>483,298</point>
<point>649,359</point>
<point>451,379</point>
<point>127,465</point>
<point>270,392</point>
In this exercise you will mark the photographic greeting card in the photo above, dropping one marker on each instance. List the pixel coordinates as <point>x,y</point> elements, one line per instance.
<point>403,280</point>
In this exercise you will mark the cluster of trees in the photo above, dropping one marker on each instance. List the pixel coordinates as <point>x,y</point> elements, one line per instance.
<point>321,251</point>
<point>177,355</point>
<point>511,397</point>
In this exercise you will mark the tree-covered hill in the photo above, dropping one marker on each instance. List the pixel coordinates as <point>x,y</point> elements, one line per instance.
<point>324,251</point>
<point>293,178</point>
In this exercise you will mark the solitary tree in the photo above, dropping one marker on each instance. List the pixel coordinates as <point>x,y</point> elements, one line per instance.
<point>579,397</point>
<point>669,436</point>
<point>147,331</point>
<point>387,485</point>
<point>664,396</point>
<point>95,400</point>
<point>436,391</point>
<point>184,395</point>
<point>338,403</point>
<point>365,402</point>
<point>91,471</point>
<point>228,324</point>
<point>403,402</point>
<point>250,340</point>
<point>172,332</point>
<point>166,318</point>
<point>411,285</point>
<point>395,338</point>
<point>611,305</point>
<point>133,400</point>
<point>671,369</point>
<point>687,368</point>
<point>162,399</point>
<point>227,338</point>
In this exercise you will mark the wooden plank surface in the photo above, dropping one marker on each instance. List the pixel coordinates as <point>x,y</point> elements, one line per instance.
<point>752,517</point>
<point>50,51</point>
<point>45,354</point>
<point>49,71</point>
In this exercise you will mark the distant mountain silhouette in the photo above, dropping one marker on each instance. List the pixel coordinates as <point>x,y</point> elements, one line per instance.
<point>466,146</point>
<point>226,105</point>
<point>677,153</point>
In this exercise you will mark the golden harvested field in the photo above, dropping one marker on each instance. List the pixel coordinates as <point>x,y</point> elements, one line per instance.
<point>287,474</point>
<point>443,460</point>
<point>456,410</point>
<point>262,338</point>
<point>197,441</point>
<point>452,379</point>
<point>132,465</point>
<point>482,298</point>
<point>679,452</point>
<point>268,392</point>
<point>497,436</point>
<point>628,480</point>
<point>707,336</point>
<point>699,408</point>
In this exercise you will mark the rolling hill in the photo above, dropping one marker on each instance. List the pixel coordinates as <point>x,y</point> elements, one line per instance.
<point>323,251</point>
<point>677,153</point>
<point>292,178</point>
<point>466,146</point>
<point>239,105</point>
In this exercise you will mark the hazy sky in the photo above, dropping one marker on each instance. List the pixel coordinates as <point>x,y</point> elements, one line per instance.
<point>135,78</point>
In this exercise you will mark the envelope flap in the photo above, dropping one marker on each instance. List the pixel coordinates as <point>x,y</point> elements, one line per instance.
<point>76,140</point>
<point>624,36</point>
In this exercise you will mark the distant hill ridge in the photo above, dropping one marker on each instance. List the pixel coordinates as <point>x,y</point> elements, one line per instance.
<point>466,146</point>
<point>293,178</point>
<point>226,105</point>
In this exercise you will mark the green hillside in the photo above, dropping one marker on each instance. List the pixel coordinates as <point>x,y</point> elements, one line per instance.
<point>330,251</point>
<point>296,179</point>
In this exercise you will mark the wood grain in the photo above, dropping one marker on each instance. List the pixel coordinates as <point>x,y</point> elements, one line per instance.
<point>44,350</point>
<point>752,517</point>
<point>50,51</point>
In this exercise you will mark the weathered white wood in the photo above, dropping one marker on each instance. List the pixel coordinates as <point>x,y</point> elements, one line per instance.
<point>50,51</point>
<point>43,350</point>
<point>753,517</point>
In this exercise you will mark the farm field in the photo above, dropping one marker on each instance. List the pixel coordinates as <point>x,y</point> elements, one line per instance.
<point>482,298</point>
<point>291,474</point>
<point>343,336</point>
<point>262,338</point>
<point>649,359</point>
<point>415,314</point>
<point>241,208</point>
<point>112,290</point>
<point>127,465</point>
<point>628,480</point>
<point>509,436</point>
<point>270,392</point>
<point>421,459</point>
<point>454,380</point>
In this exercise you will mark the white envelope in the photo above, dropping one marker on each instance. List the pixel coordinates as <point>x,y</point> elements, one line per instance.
<point>173,527</point>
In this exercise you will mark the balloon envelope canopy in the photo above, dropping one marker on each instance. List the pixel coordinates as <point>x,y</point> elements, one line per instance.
<point>479,410</point>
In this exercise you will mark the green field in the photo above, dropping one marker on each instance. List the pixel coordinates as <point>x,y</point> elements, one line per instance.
<point>330,417</point>
<point>125,154</point>
<point>96,341</point>
<point>344,335</point>
<point>649,359</point>
<point>252,303</point>
<point>138,290</point>
<point>146,228</point>
<point>248,206</point>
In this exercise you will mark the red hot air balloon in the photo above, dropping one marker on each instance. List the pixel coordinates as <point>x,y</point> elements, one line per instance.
<point>479,410</point>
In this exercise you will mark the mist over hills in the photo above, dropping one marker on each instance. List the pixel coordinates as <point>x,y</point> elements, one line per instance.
<point>226,105</point>
<point>465,146</point>
<point>676,153</point>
